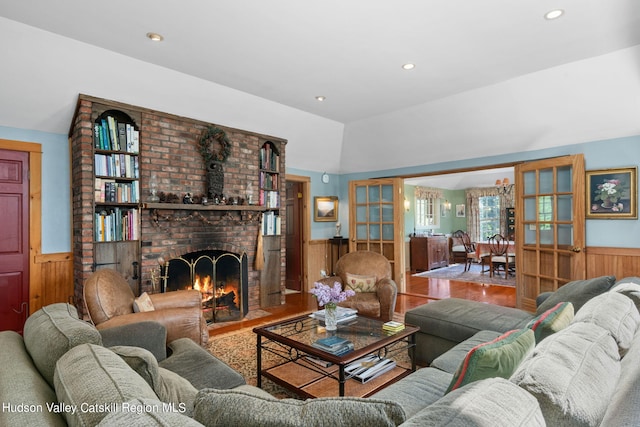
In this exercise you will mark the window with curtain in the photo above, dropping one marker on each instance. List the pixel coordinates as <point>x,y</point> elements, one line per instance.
<point>427,208</point>
<point>489,216</point>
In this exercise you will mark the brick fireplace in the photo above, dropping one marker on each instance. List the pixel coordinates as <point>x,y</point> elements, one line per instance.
<point>170,161</point>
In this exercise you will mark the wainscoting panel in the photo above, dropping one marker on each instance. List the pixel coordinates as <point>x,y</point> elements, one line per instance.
<point>619,262</point>
<point>52,282</point>
<point>318,256</point>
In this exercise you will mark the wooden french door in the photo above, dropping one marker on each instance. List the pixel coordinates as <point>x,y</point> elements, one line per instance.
<point>550,228</point>
<point>376,221</point>
<point>14,239</point>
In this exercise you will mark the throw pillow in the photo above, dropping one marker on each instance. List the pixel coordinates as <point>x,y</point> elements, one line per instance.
<point>143,303</point>
<point>577,292</point>
<point>551,321</point>
<point>361,283</point>
<point>237,408</point>
<point>497,358</point>
<point>615,313</point>
<point>52,331</point>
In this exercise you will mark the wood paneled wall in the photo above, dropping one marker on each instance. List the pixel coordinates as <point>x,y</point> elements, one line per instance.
<point>52,280</point>
<point>619,262</point>
<point>318,260</point>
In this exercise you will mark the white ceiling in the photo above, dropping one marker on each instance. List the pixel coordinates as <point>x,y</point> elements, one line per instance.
<point>464,180</point>
<point>492,77</point>
<point>289,51</point>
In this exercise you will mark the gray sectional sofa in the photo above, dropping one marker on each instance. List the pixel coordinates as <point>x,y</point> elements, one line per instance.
<point>64,372</point>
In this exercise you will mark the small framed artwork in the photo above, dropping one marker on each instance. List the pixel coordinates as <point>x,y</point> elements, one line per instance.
<point>325,208</point>
<point>612,194</point>
<point>460,210</point>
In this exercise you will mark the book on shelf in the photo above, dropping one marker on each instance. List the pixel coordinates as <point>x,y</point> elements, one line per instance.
<point>369,367</point>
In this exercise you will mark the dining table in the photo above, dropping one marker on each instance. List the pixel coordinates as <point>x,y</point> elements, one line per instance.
<point>483,249</point>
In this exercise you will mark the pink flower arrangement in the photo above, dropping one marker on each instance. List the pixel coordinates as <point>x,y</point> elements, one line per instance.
<point>330,296</point>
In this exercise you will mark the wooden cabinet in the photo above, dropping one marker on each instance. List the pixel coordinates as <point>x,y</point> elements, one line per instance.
<point>270,276</point>
<point>428,253</point>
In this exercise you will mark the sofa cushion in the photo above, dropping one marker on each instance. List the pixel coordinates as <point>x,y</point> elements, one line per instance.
<point>168,386</point>
<point>238,408</point>
<point>573,374</point>
<point>490,402</point>
<point>147,413</point>
<point>96,379</point>
<point>577,292</point>
<point>615,313</point>
<point>551,321</point>
<point>22,385</point>
<point>452,359</point>
<point>149,335</point>
<point>51,331</point>
<point>417,390</point>
<point>360,283</point>
<point>497,358</point>
<point>630,287</point>
<point>200,367</point>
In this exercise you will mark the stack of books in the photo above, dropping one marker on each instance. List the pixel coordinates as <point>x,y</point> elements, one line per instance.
<point>392,327</point>
<point>343,314</point>
<point>334,345</point>
<point>368,368</point>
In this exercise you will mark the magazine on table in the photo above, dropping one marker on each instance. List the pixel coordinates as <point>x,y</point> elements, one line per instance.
<point>369,367</point>
<point>342,314</point>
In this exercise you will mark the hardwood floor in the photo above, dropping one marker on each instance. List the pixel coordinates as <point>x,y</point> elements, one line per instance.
<point>420,290</point>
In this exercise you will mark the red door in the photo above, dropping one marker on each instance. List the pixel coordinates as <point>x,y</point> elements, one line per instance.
<point>14,239</point>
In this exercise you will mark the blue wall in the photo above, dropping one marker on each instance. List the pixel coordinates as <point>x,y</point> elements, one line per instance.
<point>612,153</point>
<point>56,188</point>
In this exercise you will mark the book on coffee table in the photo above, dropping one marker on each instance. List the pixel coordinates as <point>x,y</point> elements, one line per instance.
<point>334,345</point>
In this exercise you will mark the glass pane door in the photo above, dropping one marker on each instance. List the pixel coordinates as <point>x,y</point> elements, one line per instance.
<point>377,222</point>
<point>550,227</point>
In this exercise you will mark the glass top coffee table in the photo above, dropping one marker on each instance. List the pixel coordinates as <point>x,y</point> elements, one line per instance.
<point>292,350</point>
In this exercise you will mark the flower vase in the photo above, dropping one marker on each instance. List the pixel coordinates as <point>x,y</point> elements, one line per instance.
<point>330,317</point>
<point>607,203</point>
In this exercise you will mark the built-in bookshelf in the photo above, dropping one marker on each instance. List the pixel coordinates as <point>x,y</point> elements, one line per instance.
<point>116,170</point>
<point>269,192</point>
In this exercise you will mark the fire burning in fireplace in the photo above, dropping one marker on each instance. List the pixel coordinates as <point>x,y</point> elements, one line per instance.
<point>221,278</point>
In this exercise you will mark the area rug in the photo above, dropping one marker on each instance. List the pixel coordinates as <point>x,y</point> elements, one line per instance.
<point>456,272</point>
<point>238,350</point>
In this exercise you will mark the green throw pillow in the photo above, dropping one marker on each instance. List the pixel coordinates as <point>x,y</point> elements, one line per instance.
<point>551,321</point>
<point>497,358</point>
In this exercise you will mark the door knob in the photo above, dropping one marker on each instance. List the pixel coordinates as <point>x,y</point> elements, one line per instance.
<point>576,249</point>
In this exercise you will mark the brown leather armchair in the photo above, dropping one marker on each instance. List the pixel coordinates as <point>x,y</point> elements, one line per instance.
<point>109,301</point>
<point>381,302</point>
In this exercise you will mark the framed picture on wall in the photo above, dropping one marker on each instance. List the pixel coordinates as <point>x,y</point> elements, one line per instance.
<point>460,210</point>
<point>612,194</point>
<point>325,208</point>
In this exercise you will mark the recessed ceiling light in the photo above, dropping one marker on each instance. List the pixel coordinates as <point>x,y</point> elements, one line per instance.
<point>320,98</point>
<point>155,37</point>
<point>553,14</point>
<point>409,66</point>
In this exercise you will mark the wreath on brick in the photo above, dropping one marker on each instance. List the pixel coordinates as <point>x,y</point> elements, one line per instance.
<point>214,145</point>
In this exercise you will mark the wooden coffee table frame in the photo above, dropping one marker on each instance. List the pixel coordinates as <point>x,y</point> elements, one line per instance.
<point>308,379</point>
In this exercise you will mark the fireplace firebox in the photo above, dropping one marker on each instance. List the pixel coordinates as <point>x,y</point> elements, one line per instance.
<point>220,276</point>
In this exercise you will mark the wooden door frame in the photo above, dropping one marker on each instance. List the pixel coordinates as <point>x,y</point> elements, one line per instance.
<point>305,184</point>
<point>35,213</point>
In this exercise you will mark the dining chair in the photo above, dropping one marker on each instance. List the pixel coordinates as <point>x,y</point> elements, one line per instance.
<point>470,249</point>
<point>499,257</point>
